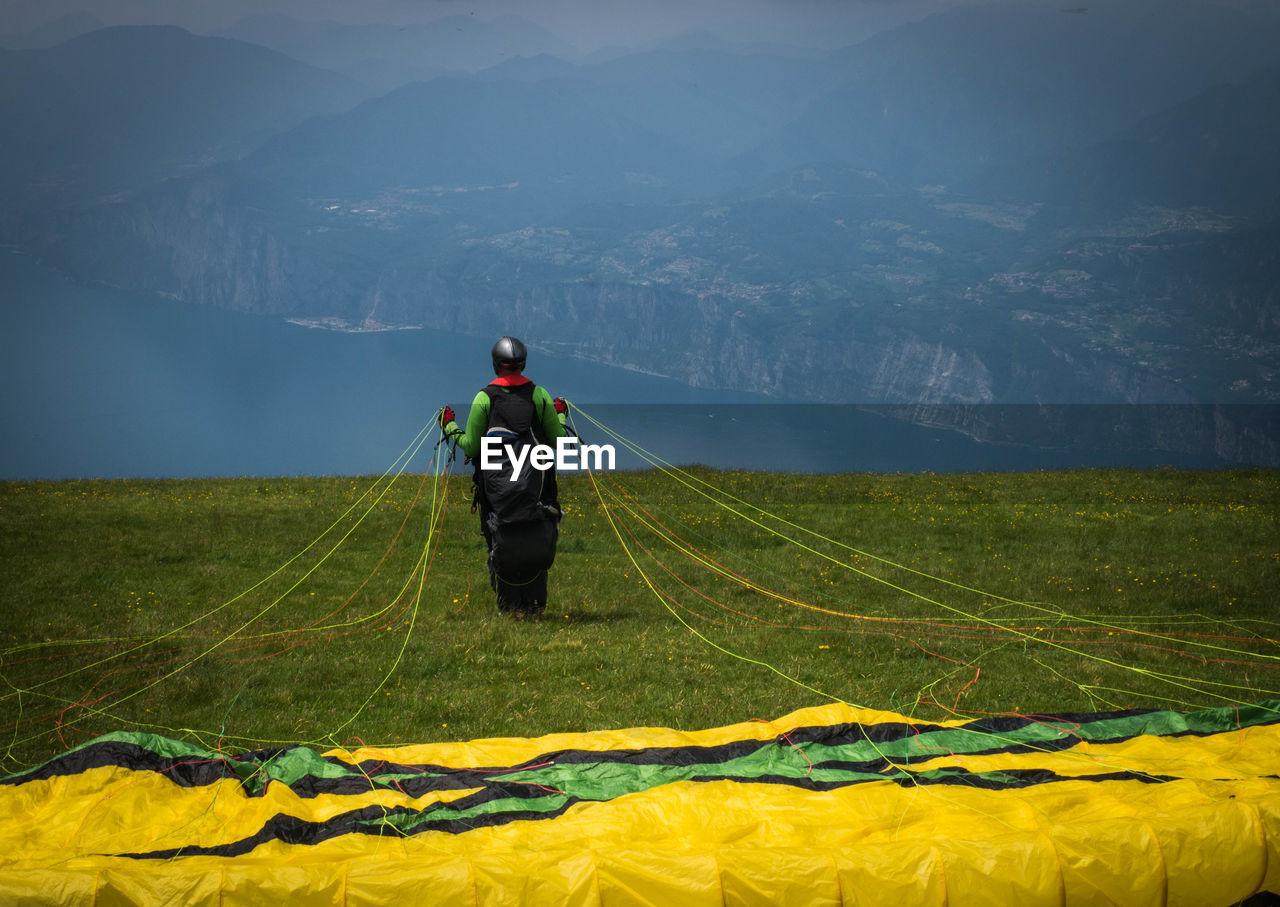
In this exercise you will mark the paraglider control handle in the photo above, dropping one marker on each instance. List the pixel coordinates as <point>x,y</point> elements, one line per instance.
<point>562,412</point>
<point>448,422</point>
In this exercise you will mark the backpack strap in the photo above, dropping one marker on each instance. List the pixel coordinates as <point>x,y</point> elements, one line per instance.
<point>511,409</point>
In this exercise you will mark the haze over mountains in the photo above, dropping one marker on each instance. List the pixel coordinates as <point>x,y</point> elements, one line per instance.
<point>119,108</point>
<point>1006,203</point>
<point>385,57</point>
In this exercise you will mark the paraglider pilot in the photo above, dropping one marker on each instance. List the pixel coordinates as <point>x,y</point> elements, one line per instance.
<point>518,502</point>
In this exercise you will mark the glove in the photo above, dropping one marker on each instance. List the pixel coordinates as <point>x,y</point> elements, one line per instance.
<point>562,409</point>
<point>449,423</point>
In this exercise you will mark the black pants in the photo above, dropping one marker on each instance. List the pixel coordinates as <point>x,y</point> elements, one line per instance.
<point>529,597</point>
<point>519,555</point>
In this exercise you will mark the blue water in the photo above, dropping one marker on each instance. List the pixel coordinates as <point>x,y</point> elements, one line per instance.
<point>106,383</point>
<point>823,438</point>
<point>100,382</point>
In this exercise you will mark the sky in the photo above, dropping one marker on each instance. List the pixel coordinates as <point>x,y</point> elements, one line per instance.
<point>588,24</point>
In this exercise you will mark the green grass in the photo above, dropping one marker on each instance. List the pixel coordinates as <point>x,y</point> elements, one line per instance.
<point>174,606</point>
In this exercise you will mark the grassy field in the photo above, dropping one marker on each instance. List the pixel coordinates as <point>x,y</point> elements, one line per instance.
<point>250,612</point>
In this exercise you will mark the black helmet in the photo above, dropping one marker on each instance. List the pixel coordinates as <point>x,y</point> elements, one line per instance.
<point>510,352</point>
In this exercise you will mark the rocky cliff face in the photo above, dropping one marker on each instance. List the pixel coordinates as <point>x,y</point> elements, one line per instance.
<point>706,343</point>
<point>194,247</point>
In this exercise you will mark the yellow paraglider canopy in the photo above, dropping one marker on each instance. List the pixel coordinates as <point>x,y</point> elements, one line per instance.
<point>827,805</point>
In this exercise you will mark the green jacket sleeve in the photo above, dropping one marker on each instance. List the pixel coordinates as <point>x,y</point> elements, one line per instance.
<point>477,425</point>
<point>546,410</point>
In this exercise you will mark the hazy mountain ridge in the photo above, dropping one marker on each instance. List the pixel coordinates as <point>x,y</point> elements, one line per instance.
<point>975,89</point>
<point>127,106</point>
<point>729,219</point>
<point>1215,151</point>
<point>459,133</point>
<point>385,57</point>
<point>52,33</point>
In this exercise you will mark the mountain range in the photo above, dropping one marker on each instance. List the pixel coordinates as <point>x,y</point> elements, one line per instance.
<point>118,108</point>
<point>1006,203</point>
<point>384,57</point>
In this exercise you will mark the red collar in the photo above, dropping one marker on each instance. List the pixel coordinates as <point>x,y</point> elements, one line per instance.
<point>510,381</point>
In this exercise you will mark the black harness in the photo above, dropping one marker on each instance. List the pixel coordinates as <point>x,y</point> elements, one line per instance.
<point>519,514</point>
<point>533,495</point>
<point>511,409</point>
